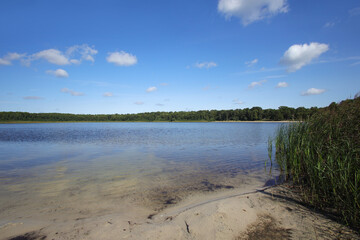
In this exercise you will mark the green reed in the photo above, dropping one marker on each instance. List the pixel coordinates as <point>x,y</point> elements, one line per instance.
<point>322,155</point>
<point>270,150</point>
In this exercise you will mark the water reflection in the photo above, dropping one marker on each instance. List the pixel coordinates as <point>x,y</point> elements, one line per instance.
<point>152,164</point>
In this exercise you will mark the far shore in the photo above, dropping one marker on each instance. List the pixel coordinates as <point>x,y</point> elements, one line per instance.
<point>263,121</point>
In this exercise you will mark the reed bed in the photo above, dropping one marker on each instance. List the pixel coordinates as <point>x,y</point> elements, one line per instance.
<point>322,157</point>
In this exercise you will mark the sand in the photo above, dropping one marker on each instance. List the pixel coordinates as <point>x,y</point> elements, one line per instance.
<point>264,213</point>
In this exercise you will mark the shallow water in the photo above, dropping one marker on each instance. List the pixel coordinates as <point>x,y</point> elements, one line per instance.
<point>87,169</point>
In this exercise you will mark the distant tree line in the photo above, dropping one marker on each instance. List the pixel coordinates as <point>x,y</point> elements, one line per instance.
<point>247,114</point>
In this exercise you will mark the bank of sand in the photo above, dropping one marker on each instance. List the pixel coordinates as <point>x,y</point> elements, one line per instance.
<point>267,213</point>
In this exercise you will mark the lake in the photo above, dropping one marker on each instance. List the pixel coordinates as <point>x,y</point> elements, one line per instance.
<point>68,171</point>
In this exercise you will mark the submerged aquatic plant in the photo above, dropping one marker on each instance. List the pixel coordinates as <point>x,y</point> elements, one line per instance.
<point>322,155</point>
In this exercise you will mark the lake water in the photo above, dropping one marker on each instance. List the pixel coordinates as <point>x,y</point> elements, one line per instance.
<point>87,169</point>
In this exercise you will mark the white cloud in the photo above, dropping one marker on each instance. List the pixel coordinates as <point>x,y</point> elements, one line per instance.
<point>252,10</point>
<point>32,98</point>
<point>355,63</point>
<point>14,56</point>
<point>8,58</point>
<point>164,84</point>
<point>313,91</point>
<point>259,83</point>
<point>151,89</point>
<point>53,56</point>
<point>139,103</point>
<point>73,55</point>
<point>262,70</point>
<point>160,105</point>
<point>4,61</point>
<point>71,92</point>
<point>206,65</point>
<point>298,56</point>
<point>332,60</point>
<point>252,63</point>
<point>122,58</point>
<point>354,11</point>
<point>237,102</point>
<point>75,61</point>
<point>60,73</point>
<point>329,25</point>
<point>282,85</point>
<point>83,52</point>
<point>275,76</point>
<point>108,94</point>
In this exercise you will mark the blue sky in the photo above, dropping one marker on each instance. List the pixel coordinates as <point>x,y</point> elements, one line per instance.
<point>133,56</point>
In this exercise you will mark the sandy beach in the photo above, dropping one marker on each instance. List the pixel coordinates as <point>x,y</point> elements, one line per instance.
<point>265,213</point>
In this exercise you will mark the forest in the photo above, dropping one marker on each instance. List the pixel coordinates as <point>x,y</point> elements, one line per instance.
<point>247,114</point>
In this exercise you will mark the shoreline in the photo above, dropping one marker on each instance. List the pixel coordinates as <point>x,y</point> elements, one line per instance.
<point>260,121</point>
<point>28,122</point>
<point>264,213</point>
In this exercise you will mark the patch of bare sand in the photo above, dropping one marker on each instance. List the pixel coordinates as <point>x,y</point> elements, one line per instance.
<point>272,213</point>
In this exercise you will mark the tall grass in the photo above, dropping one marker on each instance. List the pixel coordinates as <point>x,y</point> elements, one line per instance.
<point>270,150</point>
<point>322,156</point>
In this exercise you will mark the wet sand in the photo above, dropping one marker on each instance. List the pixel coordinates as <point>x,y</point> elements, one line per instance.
<point>65,200</point>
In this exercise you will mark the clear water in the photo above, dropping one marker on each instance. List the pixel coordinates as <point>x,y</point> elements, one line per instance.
<point>152,164</point>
